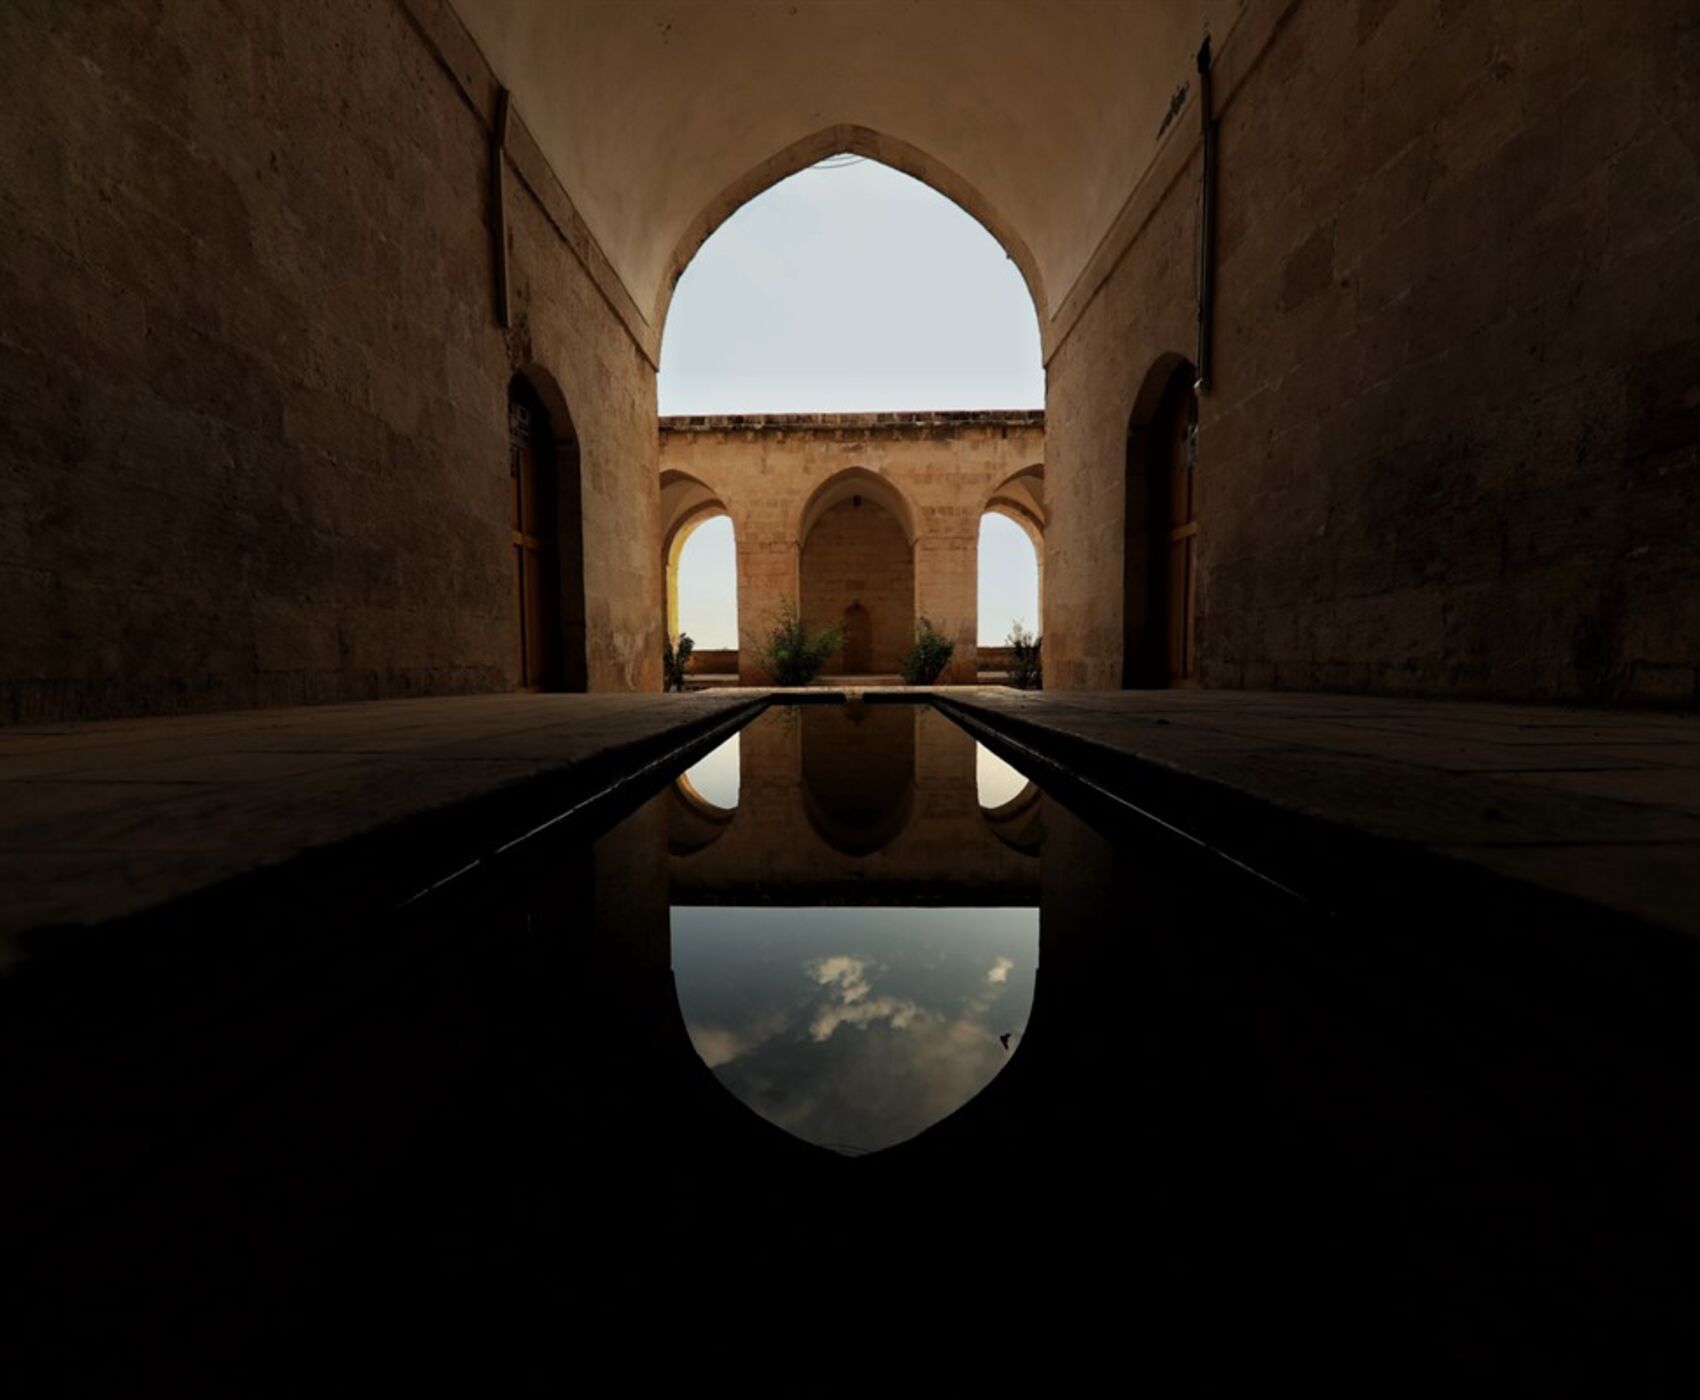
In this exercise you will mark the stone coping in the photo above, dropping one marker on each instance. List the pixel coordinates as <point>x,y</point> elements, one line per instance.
<point>929,418</point>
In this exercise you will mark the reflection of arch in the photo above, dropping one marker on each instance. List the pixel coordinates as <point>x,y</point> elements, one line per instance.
<point>548,534</point>
<point>1019,823</point>
<point>686,503</point>
<point>858,774</point>
<point>693,822</point>
<point>848,140</point>
<point>1160,528</point>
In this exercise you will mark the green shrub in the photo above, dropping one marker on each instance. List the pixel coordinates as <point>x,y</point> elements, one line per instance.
<point>1024,669</point>
<point>923,663</point>
<point>794,652</point>
<point>674,655</point>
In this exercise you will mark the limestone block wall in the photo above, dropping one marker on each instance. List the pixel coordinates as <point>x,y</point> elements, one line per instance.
<point>1450,446</point>
<point>935,472</point>
<point>254,438</point>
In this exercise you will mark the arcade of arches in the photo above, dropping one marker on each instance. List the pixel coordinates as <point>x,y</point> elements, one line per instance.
<point>867,520</point>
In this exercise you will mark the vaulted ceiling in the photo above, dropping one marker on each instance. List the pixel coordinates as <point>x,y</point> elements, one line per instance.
<point>660,116</point>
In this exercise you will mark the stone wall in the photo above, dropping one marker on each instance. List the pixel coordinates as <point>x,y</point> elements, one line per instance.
<point>254,440</point>
<point>936,472</point>
<point>1450,443</point>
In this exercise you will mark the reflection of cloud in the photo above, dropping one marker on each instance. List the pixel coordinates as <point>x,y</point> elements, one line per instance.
<point>846,971</point>
<point>899,1013</point>
<point>716,1044</point>
<point>1000,970</point>
<point>719,1045</point>
<point>848,976</point>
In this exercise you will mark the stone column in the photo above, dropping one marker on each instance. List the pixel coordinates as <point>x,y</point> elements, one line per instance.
<point>947,587</point>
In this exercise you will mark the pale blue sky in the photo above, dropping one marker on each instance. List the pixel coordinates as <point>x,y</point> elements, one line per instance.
<point>848,289</point>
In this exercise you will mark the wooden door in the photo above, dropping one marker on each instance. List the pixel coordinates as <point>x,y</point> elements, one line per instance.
<point>536,572</point>
<point>1181,571</point>
<point>858,641</point>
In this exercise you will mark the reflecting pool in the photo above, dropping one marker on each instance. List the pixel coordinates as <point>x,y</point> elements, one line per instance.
<point>854,949</point>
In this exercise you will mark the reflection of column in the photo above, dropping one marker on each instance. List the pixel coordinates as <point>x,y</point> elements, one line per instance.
<point>946,587</point>
<point>767,580</point>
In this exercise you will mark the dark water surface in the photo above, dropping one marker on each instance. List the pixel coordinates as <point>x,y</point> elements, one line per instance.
<point>859,1024</point>
<point>849,1043</point>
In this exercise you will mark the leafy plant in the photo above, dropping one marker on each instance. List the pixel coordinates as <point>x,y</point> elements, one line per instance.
<point>675,653</point>
<point>794,652</point>
<point>1025,672</point>
<point>924,662</point>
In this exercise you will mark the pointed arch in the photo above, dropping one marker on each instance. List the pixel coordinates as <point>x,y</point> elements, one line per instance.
<point>844,139</point>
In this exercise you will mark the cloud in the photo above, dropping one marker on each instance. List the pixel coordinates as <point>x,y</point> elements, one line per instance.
<point>1000,970</point>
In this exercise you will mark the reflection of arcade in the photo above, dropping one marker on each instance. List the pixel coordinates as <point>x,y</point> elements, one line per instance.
<point>692,820</point>
<point>863,804</point>
<point>1020,822</point>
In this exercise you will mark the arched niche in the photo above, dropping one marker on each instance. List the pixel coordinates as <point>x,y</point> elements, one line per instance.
<point>548,535</point>
<point>1160,529</point>
<point>857,569</point>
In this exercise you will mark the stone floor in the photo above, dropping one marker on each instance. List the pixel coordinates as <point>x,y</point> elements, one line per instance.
<point>1600,805</point>
<point>103,819</point>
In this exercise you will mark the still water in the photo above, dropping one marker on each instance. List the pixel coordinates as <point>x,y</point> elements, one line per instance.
<point>858,1023</point>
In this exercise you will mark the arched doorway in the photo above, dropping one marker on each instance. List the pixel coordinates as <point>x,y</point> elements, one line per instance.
<point>699,562</point>
<point>1010,566</point>
<point>548,545</point>
<point>1160,558</point>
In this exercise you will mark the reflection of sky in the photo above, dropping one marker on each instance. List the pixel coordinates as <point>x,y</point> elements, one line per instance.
<point>998,783</point>
<point>854,1027</point>
<point>715,775</point>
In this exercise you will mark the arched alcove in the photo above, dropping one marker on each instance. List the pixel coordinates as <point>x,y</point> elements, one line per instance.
<point>1160,529</point>
<point>857,570</point>
<point>548,535</point>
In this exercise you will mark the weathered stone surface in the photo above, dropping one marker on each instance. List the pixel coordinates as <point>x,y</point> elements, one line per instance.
<point>254,443</point>
<point>1450,446</point>
<point>103,819</point>
<point>1582,803</point>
